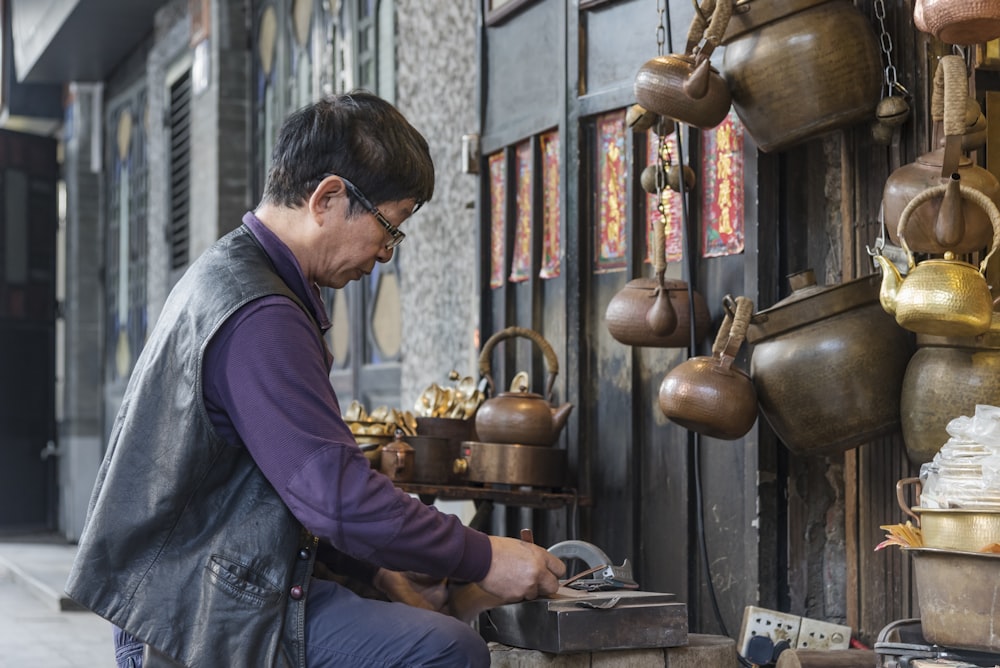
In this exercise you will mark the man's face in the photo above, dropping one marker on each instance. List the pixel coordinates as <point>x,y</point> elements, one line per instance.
<point>349,246</point>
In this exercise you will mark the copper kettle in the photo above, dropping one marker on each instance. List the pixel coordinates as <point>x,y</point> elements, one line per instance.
<point>685,86</point>
<point>943,297</point>
<point>520,417</point>
<point>708,395</point>
<point>928,232</point>
<point>396,460</point>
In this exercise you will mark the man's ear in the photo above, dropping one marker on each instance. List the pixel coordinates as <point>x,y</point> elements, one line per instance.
<point>326,195</point>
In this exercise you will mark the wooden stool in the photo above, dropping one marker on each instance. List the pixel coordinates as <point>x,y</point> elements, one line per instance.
<point>702,651</point>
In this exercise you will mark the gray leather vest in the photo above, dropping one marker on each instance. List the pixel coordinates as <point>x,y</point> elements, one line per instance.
<point>186,545</point>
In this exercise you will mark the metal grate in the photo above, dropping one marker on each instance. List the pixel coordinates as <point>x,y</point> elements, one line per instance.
<point>180,170</point>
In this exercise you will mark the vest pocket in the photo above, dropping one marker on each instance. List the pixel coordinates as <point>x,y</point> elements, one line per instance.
<point>242,582</point>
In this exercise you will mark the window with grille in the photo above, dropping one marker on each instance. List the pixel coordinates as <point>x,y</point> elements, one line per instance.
<point>180,170</point>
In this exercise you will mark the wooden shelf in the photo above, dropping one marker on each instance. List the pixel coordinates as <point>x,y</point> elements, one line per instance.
<point>526,497</point>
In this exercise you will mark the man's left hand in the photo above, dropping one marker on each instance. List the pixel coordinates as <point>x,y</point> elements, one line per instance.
<point>416,589</point>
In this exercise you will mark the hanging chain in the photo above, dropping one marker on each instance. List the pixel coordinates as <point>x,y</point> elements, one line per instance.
<point>659,230</point>
<point>885,42</point>
<point>661,29</point>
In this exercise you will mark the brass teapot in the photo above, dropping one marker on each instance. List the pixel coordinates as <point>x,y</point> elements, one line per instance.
<point>943,297</point>
<point>520,417</point>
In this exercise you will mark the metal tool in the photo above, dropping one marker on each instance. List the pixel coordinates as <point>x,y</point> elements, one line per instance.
<point>605,574</point>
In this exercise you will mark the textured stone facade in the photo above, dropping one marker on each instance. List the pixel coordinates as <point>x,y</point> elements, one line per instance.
<point>436,89</point>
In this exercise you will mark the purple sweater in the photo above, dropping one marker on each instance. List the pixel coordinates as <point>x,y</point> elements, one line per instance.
<point>267,387</point>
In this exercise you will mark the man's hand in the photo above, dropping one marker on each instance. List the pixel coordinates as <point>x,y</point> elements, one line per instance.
<point>420,591</point>
<point>521,570</point>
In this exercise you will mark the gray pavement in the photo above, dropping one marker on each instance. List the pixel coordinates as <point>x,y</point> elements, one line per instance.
<point>39,626</point>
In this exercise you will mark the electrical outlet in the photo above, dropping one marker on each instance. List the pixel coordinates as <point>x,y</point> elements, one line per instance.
<point>775,625</point>
<point>814,634</point>
<point>800,632</point>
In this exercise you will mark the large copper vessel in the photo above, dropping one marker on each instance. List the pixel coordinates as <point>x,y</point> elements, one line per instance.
<point>828,364</point>
<point>799,68</point>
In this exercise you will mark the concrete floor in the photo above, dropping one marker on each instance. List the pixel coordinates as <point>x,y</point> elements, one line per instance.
<point>39,626</point>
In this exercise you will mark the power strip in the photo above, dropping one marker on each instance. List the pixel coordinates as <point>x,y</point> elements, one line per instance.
<point>800,632</point>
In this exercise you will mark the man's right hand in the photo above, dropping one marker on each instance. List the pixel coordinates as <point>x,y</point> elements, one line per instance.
<point>521,570</point>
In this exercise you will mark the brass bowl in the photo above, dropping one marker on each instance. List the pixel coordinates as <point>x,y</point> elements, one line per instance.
<point>959,528</point>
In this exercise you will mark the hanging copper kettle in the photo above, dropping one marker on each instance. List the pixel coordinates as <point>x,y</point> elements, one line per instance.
<point>520,417</point>
<point>944,297</point>
<point>708,395</point>
<point>800,68</point>
<point>633,313</point>
<point>928,232</point>
<point>685,86</point>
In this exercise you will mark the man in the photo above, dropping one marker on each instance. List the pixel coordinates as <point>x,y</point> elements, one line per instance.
<point>231,479</point>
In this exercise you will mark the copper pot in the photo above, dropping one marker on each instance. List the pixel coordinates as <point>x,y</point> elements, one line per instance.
<point>685,86</point>
<point>628,321</point>
<point>947,377</point>
<point>799,68</point>
<point>958,597</point>
<point>397,459</point>
<point>828,365</point>
<point>964,22</point>
<point>707,394</point>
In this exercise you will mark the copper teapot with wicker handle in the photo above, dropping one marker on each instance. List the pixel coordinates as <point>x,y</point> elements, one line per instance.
<point>519,416</point>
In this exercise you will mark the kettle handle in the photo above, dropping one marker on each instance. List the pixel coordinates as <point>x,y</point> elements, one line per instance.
<point>949,94</point>
<point>901,496</point>
<point>551,362</point>
<point>976,196</point>
<point>733,330</point>
<point>712,30</point>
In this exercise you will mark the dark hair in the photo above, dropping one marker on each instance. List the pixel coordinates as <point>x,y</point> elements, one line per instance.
<point>358,136</point>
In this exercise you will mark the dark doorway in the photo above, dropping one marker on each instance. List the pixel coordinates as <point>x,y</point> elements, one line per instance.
<point>28,225</point>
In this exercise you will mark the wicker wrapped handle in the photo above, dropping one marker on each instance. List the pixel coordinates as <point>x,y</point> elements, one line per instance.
<point>551,362</point>
<point>712,30</point>
<point>951,89</point>
<point>733,330</point>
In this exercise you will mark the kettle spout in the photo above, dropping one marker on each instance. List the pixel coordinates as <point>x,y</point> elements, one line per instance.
<point>559,417</point>
<point>949,227</point>
<point>891,280</point>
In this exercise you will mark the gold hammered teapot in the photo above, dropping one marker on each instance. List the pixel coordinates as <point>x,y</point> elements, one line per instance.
<point>943,297</point>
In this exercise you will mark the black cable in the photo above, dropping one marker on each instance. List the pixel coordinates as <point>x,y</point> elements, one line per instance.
<point>695,437</point>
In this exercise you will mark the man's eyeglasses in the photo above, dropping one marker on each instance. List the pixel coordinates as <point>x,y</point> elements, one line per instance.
<point>396,236</point>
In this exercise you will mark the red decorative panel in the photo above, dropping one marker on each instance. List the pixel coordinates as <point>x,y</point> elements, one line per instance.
<point>520,269</point>
<point>722,188</point>
<point>551,221</point>
<point>498,228</point>
<point>611,244</point>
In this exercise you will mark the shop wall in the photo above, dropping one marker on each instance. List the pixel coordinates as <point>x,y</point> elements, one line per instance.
<point>437,90</point>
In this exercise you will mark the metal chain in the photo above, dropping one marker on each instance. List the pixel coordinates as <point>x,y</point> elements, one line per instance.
<point>661,29</point>
<point>885,42</point>
<point>661,146</point>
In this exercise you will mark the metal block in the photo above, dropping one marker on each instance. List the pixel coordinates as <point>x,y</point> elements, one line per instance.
<point>589,621</point>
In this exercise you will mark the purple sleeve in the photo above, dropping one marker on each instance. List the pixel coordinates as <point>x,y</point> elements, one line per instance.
<point>267,383</point>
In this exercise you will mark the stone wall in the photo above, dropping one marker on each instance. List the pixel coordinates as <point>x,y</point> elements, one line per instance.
<point>436,89</point>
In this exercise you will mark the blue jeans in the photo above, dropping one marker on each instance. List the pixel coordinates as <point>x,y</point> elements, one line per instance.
<point>128,650</point>
<point>344,630</point>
